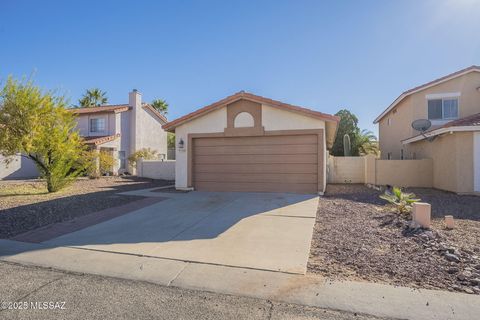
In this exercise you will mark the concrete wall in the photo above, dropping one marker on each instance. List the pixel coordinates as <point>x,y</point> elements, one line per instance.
<point>19,168</point>
<point>415,107</point>
<point>346,169</point>
<point>404,173</point>
<point>156,169</point>
<point>369,170</point>
<point>452,156</point>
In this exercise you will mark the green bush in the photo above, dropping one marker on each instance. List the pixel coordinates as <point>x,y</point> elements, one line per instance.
<point>403,201</point>
<point>145,153</point>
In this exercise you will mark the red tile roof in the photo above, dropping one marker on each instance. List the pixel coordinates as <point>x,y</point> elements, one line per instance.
<point>249,96</point>
<point>106,108</point>
<point>99,139</point>
<point>473,120</point>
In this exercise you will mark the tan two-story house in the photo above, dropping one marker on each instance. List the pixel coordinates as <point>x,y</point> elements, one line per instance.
<point>452,105</point>
<point>123,129</point>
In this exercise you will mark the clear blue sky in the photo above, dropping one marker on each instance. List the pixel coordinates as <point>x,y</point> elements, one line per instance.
<point>325,55</point>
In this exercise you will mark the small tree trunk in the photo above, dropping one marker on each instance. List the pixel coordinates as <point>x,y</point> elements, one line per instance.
<point>50,187</point>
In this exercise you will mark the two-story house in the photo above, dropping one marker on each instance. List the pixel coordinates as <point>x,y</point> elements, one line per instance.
<point>452,105</point>
<point>123,129</point>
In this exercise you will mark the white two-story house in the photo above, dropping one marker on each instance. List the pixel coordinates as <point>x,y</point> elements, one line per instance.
<point>123,129</point>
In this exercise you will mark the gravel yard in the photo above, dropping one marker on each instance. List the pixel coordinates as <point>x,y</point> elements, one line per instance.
<point>358,237</point>
<point>25,205</point>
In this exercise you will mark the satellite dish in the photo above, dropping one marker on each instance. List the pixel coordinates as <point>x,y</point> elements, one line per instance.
<point>421,125</point>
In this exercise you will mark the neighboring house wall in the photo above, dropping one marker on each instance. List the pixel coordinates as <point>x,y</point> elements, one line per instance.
<point>415,107</point>
<point>453,160</point>
<point>19,168</point>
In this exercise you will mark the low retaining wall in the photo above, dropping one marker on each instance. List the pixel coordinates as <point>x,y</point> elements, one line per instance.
<point>369,170</point>
<point>346,170</point>
<point>156,169</point>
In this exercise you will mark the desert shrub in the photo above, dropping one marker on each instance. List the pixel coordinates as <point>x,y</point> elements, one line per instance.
<point>403,201</point>
<point>106,162</point>
<point>145,153</point>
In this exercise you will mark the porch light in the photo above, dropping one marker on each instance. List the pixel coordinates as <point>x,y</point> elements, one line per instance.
<point>181,144</point>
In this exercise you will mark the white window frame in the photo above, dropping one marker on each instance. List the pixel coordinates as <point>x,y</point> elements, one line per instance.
<point>443,97</point>
<point>97,119</point>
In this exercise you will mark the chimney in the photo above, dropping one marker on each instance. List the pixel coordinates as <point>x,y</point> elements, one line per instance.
<point>135,102</point>
<point>135,99</point>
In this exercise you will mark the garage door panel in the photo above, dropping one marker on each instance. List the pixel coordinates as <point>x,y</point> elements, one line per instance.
<point>256,177</point>
<point>256,158</point>
<point>257,187</point>
<point>254,168</point>
<point>255,149</point>
<point>263,140</point>
<point>256,164</point>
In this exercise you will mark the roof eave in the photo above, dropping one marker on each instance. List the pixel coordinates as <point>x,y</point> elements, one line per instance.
<point>424,87</point>
<point>440,131</point>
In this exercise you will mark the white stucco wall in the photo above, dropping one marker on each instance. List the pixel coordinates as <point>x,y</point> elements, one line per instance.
<point>216,121</point>
<point>156,169</point>
<point>19,168</point>
<point>150,133</point>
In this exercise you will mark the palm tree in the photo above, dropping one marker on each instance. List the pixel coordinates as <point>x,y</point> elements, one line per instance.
<point>367,143</point>
<point>161,106</point>
<point>93,98</point>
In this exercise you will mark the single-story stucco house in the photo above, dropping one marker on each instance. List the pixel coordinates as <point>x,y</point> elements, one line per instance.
<point>250,143</point>
<point>451,104</point>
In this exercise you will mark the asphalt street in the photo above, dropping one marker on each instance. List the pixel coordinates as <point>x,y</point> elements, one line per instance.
<point>36,293</point>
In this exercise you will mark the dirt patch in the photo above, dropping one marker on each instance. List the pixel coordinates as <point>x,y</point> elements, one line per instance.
<point>26,206</point>
<point>357,237</point>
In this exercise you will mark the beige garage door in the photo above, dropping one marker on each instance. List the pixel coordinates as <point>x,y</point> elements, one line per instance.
<point>256,164</point>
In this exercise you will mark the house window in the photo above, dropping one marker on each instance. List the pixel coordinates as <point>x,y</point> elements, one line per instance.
<point>122,159</point>
<point>443,109</point>
<point>97,125</point>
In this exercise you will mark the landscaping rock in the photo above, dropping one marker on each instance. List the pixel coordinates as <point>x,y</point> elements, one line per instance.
<point>453,270</point>
<point>452,257</point>
<point>357,237</point>
<point>475,281</point>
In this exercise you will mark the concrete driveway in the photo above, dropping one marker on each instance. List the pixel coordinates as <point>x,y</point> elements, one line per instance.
<point>267,231</point>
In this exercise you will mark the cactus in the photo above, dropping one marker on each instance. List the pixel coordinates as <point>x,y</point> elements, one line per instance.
<point>347,149</point>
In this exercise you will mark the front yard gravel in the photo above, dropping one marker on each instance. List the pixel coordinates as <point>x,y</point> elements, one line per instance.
<point>358,237</point>
<point>23,212</point>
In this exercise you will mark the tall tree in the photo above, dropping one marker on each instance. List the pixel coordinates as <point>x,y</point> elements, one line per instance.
<point>37,125</point>
<point>160,105</point>
<point>348,125</point>
<point>93,98</point>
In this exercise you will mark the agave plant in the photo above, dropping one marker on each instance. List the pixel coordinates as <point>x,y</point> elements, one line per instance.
<point>403,201</point>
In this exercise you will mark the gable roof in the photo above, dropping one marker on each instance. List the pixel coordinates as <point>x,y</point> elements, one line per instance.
<point>425,86</point>
<point>105,108</point>
<point>155,112</point>
<point>469,123</point>
<point>116,109</point>
<point>249,96</point>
